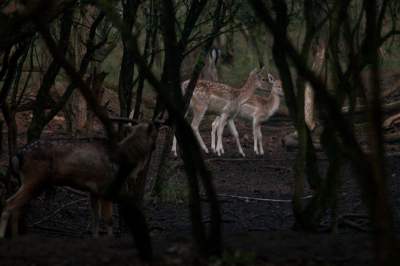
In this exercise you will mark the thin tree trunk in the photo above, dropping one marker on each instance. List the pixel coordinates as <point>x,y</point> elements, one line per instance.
<point>96,82</point>
<point>38,120</point>
<point>309,92</point>
<point>172,60</point>
<point>9,114</point>
<point>125,83</point>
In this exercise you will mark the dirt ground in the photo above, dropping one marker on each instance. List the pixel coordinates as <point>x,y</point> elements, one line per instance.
<point>254,194</point>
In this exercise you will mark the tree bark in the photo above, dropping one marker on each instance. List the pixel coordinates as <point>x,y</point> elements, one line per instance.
<point>95,82</point>
<point>317,67</point>
<point>38,119</point>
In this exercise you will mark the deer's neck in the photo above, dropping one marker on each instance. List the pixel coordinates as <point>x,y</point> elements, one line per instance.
<point>246,92</point>
<point>273,100</point>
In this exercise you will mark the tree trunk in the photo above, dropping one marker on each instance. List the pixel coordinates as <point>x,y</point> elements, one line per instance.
<point>230,49</point>
<point>95,82</point>
<point>258,40</point>
<point>9,115</point>
<point>317,67</point>
<point>125,82</point>
<point>38,120</point>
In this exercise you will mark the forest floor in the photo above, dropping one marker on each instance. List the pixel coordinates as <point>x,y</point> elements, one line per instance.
<point>254,194</point>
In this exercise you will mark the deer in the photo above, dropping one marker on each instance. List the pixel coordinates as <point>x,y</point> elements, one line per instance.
<point>209,71</point>
<point>258,110</point>
<point>85,164</point>
<point>223,101</point>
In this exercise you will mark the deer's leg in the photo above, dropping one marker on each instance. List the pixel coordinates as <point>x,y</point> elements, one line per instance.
<point>222,144</point>
<point>215,126</point>
<point>255,134</point>
<point>12,207</point>
<point>106,208</point>
<point>234,132</point>
<point>95,208</point>
<point>213,132</point>
<point>174,147</point>
<point>198,116</point>
<point>14,222</point>
<point>222,123</point>
<point>260,139</point>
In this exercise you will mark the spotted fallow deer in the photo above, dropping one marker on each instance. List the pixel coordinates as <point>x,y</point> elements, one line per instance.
<point>84,164</point>
<point>220,100</point>
<point>258,110</point>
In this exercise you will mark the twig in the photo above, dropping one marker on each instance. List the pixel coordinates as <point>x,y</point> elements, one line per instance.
<point>162,219</point>
<point>355,207</point>
<point>247,159</point>
<point>354,225</point>
<point>45,218</point>
<point>57,221</point>
<point>258,229</point>
<point>155,214</point>
<point>75,191</point>
<point>49,228</point>
<point>257,199</point>
<point>67,227</point>
<point>258,215</point>
<point>234,215</point>
<point>353,215</point>
<point>47,207</point>
<point>222,220</point>
<point>159,228</point>
<point>87,227</point>
<point>62,213</point>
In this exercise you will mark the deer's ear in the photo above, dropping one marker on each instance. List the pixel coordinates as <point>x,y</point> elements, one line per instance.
<point>260,72</point>
<point>271,79</point>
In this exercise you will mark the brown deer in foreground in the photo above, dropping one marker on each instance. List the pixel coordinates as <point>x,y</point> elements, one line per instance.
<point>84,164</point>
<point>257,109</point>
<point>220,100</point>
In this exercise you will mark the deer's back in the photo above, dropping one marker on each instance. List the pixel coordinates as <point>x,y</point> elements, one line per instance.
<point>216,97</point>
<point>82,164</point>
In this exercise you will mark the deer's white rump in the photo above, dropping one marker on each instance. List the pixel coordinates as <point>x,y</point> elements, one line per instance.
<point>220,100</point>
<point>257,109</point>
<point>84,164</point>
<point>209,71</point>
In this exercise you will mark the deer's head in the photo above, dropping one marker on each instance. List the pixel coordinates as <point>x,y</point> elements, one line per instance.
<point>259,80</point>
<point>140,138</point>
<point>276,86</point>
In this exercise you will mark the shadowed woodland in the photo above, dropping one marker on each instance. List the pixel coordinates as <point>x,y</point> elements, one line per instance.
<point>324,191</point>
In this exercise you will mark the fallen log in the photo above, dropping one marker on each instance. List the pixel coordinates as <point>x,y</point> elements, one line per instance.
<point>390,91</point>
<point>386,108</point>
<point>393,120</point>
